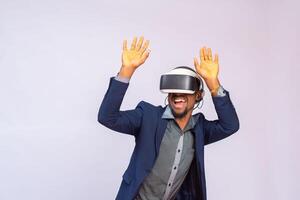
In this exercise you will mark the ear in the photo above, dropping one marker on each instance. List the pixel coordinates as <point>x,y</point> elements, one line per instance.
<point>199,96</point>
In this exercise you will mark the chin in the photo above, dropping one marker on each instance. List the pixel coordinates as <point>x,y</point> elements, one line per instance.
<point>179,114</point>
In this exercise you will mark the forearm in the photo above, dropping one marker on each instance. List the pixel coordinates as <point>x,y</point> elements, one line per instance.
<point>226,113</point>
<point>110,115</point>
<point>227,122</point>
<point>111,103</point>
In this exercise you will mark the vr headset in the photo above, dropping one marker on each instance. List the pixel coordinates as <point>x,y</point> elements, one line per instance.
<point>181,80</point>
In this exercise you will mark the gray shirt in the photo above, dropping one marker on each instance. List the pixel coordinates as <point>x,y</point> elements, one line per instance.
<point>174,159</point>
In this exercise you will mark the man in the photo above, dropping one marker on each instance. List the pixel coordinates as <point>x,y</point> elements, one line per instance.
<point>168,158</point>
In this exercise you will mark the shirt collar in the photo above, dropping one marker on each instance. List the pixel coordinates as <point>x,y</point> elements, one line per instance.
<point>169,115</point>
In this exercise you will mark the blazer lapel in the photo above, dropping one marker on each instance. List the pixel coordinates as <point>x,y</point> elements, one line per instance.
<point>161,128</point>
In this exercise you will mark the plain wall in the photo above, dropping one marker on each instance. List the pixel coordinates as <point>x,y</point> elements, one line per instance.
<point>56,58</point>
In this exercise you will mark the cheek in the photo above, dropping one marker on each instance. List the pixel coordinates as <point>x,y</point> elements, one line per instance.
<point>169,101</point>
<point>191,102</point>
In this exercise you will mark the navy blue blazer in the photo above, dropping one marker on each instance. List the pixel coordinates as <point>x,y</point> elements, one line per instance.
<point>146,125</point>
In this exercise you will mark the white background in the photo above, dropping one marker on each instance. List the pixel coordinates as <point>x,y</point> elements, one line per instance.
<point>56,58</point>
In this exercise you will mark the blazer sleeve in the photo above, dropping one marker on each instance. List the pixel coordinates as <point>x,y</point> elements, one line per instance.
<point>109,114</point>
<point>226,124</point>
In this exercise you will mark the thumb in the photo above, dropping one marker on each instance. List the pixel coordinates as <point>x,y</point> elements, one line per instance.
<point>196,63</point>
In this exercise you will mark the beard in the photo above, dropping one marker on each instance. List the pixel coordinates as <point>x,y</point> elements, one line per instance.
<point>179,115</point>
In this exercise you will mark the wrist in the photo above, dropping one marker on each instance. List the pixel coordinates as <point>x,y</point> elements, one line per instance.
<point>214,92</point>
<point>126,72</point>
<point>212,84</point>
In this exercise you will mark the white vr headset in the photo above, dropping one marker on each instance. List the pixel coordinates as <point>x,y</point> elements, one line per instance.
<point>181,80</point>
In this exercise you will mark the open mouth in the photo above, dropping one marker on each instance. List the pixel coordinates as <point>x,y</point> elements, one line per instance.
<point>179,102</point>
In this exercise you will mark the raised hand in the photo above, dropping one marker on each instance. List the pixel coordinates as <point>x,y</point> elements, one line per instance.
<point>134,57</point>
<point>208,68</point>
<point>137,54</point>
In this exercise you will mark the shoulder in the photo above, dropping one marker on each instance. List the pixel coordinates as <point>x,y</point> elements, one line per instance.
<point>199,114</point>
<point>148,107</point>
<point>199,117</point>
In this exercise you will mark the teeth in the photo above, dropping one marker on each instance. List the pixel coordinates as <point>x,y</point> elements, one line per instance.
<point>179,100</point>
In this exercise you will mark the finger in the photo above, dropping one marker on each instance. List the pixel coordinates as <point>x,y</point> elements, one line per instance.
<point>145,55</point>
<point>133,44</point>
<point>205,53</point>
<point>216,58</point>
<point>124,45</point>
<point>145,46</point>
<point>201,55</point>
<point>209,54</point>
<point>139,45</point>
<point>196,63</point>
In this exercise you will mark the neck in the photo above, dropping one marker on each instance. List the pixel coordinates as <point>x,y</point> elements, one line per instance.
<point>182,122</point>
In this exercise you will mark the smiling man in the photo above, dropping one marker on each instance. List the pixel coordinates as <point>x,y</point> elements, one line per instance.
<point>168,157</point>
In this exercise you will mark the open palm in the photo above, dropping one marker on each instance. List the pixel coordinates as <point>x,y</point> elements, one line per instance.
<point>208,67</point>
<point>136,55</point>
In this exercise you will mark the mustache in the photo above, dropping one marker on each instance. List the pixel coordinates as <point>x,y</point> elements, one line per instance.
<point>177,95</point>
